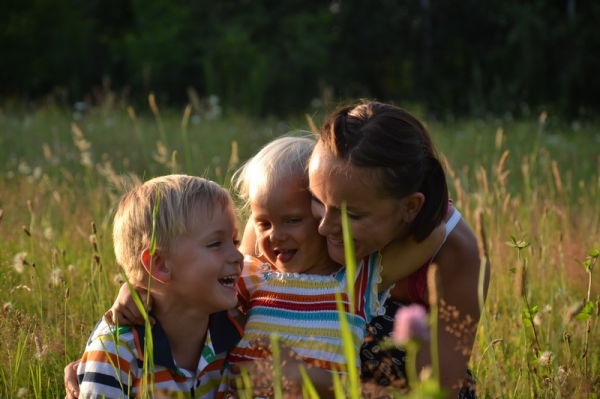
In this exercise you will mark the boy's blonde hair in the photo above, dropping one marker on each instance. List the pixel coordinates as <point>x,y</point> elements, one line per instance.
<point>282,158</point>
<point>181,198</point>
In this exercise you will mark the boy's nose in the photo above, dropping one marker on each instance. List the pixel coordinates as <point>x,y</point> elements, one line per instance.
<point>236,257</point>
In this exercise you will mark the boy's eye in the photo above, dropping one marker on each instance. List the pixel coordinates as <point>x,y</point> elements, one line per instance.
<point>214,244</point>
<point>294,220</point>
<point>236,242</point>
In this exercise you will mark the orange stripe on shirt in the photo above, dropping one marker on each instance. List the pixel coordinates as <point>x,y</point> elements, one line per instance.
<point>102,356</point>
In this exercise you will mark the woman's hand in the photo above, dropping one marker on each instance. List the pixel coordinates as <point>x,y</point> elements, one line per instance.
<point>70,378</point>
<point>124,311</point>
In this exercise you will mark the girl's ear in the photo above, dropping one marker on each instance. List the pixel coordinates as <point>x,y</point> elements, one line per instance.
<point>411,206</point>
<point>156,266</point>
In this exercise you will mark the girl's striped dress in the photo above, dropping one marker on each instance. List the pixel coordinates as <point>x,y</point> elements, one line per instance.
<point>301,309</point>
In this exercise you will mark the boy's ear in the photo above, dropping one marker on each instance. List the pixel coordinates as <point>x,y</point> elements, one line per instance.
<point>411,206</point>
<point>160,271</point>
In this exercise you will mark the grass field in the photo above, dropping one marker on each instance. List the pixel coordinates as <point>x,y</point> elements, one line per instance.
<point>62,171</point>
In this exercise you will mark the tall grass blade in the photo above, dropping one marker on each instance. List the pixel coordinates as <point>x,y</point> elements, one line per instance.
<point>277,375</point>
<point>349,256</point>
<point>349,348</point>
<point>308,388</point>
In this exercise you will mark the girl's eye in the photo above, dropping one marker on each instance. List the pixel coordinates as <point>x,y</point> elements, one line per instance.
<point>263,225</point>
<point>294,220</point>
<point>236,242</point>
<point>214,244</point>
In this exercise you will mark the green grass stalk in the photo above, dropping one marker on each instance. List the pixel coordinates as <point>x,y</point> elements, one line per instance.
<point>277,375</point>
<point>349,255</point>
<point>308,388</point>
<point>185,142</point>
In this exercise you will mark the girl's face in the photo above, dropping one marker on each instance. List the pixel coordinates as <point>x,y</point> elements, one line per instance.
<point>375,218</point>
<point>286,231</point>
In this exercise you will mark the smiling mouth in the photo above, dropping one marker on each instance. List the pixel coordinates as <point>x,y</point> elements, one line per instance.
<point>335,242</point>
<point>285,255</point>
<point>228,281</point>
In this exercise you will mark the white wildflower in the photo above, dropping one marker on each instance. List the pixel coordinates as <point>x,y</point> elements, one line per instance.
<point>86,159</point>
<point>21,287</point>
<point>56,277</point>
<point>562,374</point>
<point>71,269</point>
<point>545,359</point>
<point>49,233</point>
<point>8,307</point>
<point>23,168</point>
<point>19,262</point>
<point>37,173</point>
<point>22,393</point>
<point>547,308</point>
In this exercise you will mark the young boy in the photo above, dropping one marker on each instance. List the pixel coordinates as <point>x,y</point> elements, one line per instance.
<point>191,276</point>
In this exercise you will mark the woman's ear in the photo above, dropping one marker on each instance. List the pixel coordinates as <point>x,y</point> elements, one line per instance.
<point>156,266</point>
<point>411,206</point>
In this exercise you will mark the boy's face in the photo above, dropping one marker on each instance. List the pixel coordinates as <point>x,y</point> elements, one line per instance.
<point>286,230</point>
<point>205,263</point>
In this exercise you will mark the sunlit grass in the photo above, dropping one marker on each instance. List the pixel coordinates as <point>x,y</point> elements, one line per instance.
<point>534,180</point>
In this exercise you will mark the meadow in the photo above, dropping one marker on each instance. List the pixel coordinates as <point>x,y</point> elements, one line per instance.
<point>530,188</point>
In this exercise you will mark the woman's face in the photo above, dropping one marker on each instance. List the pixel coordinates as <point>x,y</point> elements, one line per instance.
<point>375,218</point>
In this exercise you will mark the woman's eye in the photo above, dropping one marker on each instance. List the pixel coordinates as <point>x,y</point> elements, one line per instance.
<point>354,216</point>
<point>315,199</point>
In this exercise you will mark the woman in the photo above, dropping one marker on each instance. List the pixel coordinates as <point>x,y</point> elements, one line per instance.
<point>380,160</point>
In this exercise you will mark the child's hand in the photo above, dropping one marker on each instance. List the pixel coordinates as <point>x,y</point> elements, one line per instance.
<point>125,312</point>
<point>70,378</point>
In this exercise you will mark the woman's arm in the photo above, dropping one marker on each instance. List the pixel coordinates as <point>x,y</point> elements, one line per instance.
<point>403,257</point>
<point>458,316</point>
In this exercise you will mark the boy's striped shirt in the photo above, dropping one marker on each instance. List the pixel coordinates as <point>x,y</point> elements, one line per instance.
<point>112,364</point>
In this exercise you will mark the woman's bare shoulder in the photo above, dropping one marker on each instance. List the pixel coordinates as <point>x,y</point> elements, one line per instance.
<point>460,252</point>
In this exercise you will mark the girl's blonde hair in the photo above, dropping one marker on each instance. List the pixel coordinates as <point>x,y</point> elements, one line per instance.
<point>181,198</point>
<point>281,159</point>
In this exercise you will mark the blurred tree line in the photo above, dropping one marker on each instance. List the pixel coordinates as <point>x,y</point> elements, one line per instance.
<point>266,56</point>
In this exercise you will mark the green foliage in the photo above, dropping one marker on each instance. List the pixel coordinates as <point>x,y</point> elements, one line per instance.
<point>586,312</point>
<point>529,314</point>
<point>518,244</point>
<point>265,57</point>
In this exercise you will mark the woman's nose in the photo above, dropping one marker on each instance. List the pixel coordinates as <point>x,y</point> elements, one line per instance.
<point>330,224</point>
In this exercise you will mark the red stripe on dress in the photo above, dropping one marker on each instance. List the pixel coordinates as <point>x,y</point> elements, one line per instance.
<point>306,307</point>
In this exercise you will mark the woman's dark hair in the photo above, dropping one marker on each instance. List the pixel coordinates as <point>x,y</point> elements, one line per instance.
<point>397,145</point>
